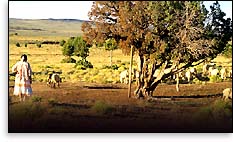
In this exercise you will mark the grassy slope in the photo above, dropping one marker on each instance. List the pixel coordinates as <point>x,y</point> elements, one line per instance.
<point>31,27</point>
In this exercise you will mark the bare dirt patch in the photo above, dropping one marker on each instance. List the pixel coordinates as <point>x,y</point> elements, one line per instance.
<point>73,109</point>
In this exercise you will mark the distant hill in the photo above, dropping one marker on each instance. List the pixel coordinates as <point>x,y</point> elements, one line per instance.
<point>45,27</point>
<point>66,20</point>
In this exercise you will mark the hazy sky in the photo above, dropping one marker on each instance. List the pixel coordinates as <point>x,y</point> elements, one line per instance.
<point>71,9</point>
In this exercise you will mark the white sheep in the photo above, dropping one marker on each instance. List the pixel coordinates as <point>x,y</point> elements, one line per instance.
<point>227,94</point>
<point>124,77</point>
<point>230,73</point>
<point>188,75</point>
<point>210,70</point>
<point>205,68</point>
<point>223,73</point>
<point>214,72</point>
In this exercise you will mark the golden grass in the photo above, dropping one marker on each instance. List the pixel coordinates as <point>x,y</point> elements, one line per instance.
<point>49,57</point>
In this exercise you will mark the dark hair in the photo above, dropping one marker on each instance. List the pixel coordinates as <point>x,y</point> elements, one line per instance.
<point>24,57</point>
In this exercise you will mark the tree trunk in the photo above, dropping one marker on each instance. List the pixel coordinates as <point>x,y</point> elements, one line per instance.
<point>147,82</point>
<point>144,87</point>
<point>177,82</point>
<point>130,71</point>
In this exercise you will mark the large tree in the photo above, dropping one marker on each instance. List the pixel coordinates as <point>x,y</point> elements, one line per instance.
<point>169,36</point>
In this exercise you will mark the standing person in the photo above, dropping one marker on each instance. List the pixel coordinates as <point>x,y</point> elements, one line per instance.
<point>23,78</point>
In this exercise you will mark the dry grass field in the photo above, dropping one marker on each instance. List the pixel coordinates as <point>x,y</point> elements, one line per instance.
<point>93,100</point>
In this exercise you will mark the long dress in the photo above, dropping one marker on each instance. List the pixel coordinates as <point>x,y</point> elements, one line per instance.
<point>22,78</point>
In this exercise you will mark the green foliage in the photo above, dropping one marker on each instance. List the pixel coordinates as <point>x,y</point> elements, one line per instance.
<point>228,50</point>
<point>215,78</point>
<point>17,44</point>
<point>218,28</point>
<point>52,101</point>
<point>100,44</point>
<point>110,44</point>
<point>78,47</point>
<point>101,107</point>
<point>81,47</point>
<point>36,99</point>
<point>62,42</point>
<point>113,67</point>
<point>83,63</point>
<point>68,47</point>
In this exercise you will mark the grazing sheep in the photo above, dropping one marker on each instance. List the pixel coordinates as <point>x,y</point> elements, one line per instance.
<point>188,75</point>
<point>124,77</point>
<point>193,71</point>
<point>207,67</point>
<point>227,94</point>
<point>214,72</point>
<point>49,79</point>
<point>223,73</point>
<point>230,73</point>
<point>210,70</point>
<point>53,79</point>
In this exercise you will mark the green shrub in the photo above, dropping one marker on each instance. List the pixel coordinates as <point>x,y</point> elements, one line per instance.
<point>52,101</point>
<point>228,50</point>
<point>36,99</point>
<point>215,78</point>
<point>83,63</point>
<point>113,67</point>
<point>101,107</point>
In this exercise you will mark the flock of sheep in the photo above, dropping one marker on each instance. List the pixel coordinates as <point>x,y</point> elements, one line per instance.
<point>209,70</point>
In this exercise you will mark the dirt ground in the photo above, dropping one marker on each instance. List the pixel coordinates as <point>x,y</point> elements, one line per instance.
<point>72,112</point>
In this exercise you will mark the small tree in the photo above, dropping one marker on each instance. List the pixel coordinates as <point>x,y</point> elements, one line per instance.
<point>110,45</point>
<point>68,50</point>
<point>81,49</point>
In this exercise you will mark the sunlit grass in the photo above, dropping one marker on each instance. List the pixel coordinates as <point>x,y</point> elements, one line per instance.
<point>48,58</point>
